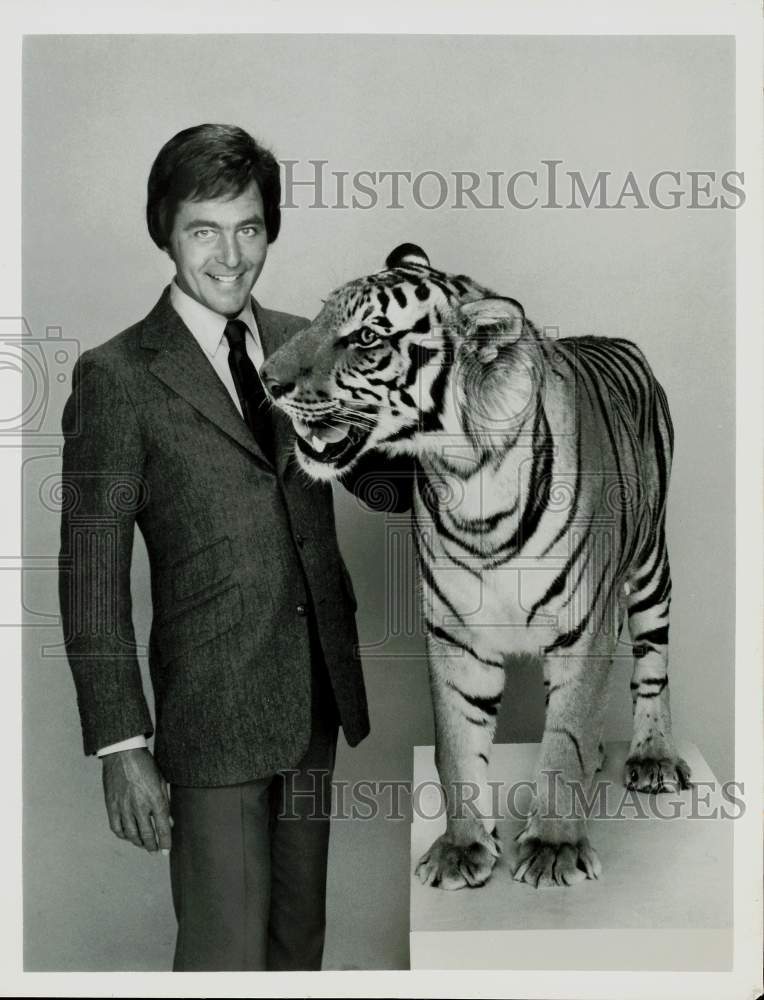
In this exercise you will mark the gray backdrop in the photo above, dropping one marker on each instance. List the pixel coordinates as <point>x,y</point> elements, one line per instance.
<point>96,111</point>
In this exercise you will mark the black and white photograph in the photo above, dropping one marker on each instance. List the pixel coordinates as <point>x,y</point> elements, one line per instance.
<point>384,400</point>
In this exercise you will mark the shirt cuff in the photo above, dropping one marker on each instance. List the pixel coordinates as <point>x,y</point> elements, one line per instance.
<point>132,743</point>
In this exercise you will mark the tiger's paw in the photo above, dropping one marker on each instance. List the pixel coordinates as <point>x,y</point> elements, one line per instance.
<point>656,774</point>
<point>451,865</point>
<point>541,863</point>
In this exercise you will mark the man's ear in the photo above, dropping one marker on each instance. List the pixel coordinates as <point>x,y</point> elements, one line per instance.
<point>487,325</point>
<point>407,253</point>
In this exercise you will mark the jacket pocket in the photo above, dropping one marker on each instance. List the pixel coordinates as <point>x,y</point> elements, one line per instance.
<point>202,569</point>
<point>185,629</point>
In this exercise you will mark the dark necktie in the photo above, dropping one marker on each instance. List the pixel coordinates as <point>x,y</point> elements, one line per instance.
<point>249,388</point>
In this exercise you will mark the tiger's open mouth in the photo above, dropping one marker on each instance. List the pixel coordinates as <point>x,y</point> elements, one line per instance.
<point>328,442</point>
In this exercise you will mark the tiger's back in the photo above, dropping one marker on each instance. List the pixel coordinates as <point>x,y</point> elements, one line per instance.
<point>634,438</point>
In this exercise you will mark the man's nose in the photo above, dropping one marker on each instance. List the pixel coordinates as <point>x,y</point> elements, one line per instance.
<point>228,251</point>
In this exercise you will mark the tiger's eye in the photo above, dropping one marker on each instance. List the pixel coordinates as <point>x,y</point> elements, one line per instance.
<point>366,337</point>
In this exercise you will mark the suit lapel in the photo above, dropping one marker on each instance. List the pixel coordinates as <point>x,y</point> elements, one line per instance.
<point>182,365</point>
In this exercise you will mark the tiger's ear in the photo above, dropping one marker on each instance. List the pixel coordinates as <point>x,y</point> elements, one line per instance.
<point>489,324</point>
<point>407,253</point>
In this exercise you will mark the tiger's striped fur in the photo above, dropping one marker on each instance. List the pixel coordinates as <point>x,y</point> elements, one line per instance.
<point>539,521</point>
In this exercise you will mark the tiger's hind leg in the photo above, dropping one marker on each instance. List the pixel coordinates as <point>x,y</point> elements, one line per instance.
<point>466,695</point>
<point>653,764</point>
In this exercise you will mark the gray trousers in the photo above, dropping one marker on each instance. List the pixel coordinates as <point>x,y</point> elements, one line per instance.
<point>248,864</point>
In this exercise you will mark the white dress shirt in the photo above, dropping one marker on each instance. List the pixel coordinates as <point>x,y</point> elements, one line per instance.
<point>207,328</point>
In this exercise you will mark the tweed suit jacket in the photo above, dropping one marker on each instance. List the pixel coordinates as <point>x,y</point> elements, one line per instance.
<point>238,551</point>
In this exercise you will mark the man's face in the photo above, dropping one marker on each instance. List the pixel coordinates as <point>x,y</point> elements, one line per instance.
<point>219,248</point>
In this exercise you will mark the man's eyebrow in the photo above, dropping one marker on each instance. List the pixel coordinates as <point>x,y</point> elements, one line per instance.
<point>207,224</point>
<point>201,223</point>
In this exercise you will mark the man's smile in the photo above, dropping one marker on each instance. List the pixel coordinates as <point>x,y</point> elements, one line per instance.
<point>226,279</point>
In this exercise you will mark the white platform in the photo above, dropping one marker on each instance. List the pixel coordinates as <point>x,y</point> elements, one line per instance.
<point>664,901</point>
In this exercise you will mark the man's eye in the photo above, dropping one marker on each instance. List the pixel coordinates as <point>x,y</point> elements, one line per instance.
<point>249,231</point>
<point>203,234</point>
<point>366,337</point>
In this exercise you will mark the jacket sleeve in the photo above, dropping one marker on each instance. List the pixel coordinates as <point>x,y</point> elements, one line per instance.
<point>102,490</point>
<point>382,484</point>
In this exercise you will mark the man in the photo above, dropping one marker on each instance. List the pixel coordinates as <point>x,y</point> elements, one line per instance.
<point>252,652</point>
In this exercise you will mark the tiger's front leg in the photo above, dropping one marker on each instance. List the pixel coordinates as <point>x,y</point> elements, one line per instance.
<point>554,848</point>
<point>466,695</point>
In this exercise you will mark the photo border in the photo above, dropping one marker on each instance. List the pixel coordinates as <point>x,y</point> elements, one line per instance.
<point>743,20</point>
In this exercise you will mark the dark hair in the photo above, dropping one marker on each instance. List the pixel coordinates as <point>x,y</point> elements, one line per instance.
<point>210,161</point>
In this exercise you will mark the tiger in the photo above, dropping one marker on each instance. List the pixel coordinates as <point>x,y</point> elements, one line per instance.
<point>542,470</point>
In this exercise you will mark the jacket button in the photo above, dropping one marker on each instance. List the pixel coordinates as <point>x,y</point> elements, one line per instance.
<point>300,539</point>
<point>302,610</point>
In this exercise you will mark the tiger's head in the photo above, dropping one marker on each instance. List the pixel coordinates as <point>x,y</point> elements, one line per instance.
<point>404,360</point>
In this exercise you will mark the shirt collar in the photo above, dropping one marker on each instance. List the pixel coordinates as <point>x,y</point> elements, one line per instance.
<point>206,325</point>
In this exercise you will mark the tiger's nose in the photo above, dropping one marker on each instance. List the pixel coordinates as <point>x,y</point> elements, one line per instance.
<point>274,386</point>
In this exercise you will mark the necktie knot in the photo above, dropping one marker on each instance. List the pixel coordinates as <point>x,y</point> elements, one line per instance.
<point>235,333</point>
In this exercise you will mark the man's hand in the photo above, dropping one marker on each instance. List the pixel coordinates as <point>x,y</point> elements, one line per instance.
<point>137,799</point>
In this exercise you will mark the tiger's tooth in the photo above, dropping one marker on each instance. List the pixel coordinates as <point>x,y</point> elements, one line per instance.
<point>317,444</point>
